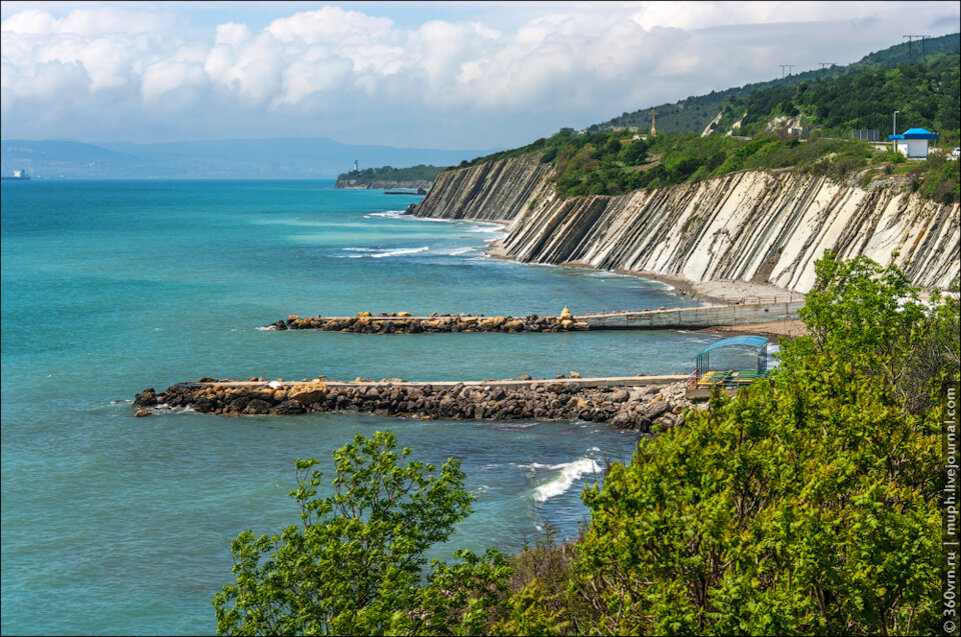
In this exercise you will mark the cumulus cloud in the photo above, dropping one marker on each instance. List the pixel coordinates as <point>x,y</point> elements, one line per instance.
<point>570,62</point>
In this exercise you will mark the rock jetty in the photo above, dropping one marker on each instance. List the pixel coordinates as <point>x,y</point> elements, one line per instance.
<point>404,323</point>
<point>643,407</point>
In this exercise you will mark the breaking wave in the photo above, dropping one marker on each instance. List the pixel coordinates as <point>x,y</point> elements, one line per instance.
<point>569,473</point>
<point>379,253</point>
<point>386,213</point>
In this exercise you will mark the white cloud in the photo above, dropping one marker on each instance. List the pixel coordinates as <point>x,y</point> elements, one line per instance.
<point>562,64</point>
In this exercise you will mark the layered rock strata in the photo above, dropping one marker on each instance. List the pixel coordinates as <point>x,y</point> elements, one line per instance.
<point>494,191</point>
<point>750,226</point>
<point>639,408</point>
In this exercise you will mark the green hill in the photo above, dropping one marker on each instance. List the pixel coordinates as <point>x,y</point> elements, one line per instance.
<point>693,114</point>
<point>613,160</point>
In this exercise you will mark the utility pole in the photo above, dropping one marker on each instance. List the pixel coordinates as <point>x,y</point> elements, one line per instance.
<point>894,130</point>
<point>911,48</point>
<point>825,65</point>
<point>790,68</point>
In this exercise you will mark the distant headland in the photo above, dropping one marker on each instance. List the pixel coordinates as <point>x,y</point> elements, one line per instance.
<point>415,178</point>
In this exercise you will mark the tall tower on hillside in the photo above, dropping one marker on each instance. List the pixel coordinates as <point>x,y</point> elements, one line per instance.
<point>355,165</point>
<point>653,114</point>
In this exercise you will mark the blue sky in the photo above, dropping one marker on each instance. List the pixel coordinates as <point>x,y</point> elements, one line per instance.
<point>416,74</point>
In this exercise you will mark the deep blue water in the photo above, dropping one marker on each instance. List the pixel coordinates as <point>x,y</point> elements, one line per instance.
<point>113,524</point>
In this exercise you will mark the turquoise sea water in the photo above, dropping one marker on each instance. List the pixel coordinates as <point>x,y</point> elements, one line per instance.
<point>113,524</point>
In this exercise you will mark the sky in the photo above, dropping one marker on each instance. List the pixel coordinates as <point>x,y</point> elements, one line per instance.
<point>448,75</point>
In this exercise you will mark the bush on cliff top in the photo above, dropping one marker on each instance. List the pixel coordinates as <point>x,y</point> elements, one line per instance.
<point>614,162</point>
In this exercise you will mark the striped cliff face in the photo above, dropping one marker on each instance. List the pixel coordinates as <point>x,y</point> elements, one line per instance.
<point>750,226</point>
<point>495,191</point>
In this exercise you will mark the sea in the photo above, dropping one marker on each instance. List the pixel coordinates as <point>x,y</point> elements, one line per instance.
<point>113,524</point>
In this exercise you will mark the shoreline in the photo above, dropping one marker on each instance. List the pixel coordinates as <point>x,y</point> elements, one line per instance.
<point>720,292</point>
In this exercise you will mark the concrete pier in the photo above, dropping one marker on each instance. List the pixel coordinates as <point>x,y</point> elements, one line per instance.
<point>696,317</point>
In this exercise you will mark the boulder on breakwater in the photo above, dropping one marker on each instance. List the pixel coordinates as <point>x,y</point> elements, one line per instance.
<point>404,323</point>
<point>639,408</point>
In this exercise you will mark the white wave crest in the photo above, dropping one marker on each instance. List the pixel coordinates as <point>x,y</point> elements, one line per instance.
<point>488,229</point>
<point>371,253</point>
<point>570,472</point>
<point>385,213</point>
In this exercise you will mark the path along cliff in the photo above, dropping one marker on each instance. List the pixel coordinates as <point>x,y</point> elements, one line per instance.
<point>759,227</point>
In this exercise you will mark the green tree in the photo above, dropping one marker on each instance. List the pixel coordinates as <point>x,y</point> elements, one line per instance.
<point>806,504</point>
<point>873,319</point>
<point>356,563</point>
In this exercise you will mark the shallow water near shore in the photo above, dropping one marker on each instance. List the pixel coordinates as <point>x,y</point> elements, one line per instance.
<point>114,524</point>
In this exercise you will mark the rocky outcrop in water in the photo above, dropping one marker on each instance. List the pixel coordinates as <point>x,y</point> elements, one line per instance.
<point>641,408</point>
<point>750,226</point>
<point>403,323</point>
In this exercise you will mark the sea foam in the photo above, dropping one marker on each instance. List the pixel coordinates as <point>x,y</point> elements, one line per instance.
<point>570,472</point>
<point>385,213</point>
<point>372,253</point>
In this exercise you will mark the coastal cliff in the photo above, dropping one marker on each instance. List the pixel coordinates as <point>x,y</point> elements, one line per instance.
<point>493,191</point>
<point>753,226</point>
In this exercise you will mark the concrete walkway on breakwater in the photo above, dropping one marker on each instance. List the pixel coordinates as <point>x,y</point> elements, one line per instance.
<point>705,316</point>
<point>696,317</point>
<point>580,383</point>
<point>627,402</point>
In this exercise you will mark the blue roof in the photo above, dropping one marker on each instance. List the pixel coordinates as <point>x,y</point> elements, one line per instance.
<point>735,341</point>
<point>916,133</point>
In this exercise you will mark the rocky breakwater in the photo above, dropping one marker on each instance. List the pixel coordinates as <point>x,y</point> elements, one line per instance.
<point>404,323</point>
<point>643,407</point>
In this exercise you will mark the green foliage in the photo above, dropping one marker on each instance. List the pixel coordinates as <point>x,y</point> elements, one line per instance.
<point>369,176</point>
<point>693,114</point>
<point>788,510</point>
<point>356,563</point>
<point>806,504</point>
<point>583,168</point>
<point>940,179</point>
<point>872,319</point>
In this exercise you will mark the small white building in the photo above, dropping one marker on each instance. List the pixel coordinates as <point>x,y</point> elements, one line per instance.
<point>913,143</point>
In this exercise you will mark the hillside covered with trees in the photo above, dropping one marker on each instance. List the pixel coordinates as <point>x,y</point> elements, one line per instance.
<point>613,161</point>
<point>694,113</point>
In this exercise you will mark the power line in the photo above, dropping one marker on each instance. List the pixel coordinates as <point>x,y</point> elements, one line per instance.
<point>911,47</point>
<point>790,68</point>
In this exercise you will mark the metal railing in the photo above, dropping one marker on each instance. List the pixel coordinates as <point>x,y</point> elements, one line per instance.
<point>762,300</point>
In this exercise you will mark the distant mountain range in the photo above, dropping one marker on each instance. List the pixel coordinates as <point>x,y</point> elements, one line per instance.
<point>284,158</point>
